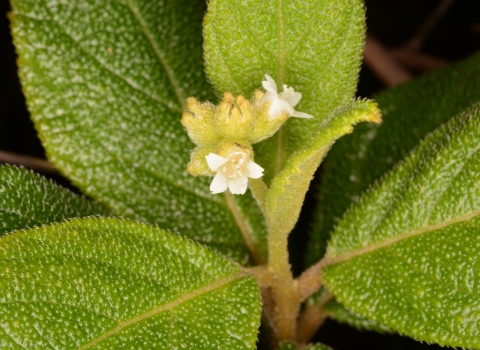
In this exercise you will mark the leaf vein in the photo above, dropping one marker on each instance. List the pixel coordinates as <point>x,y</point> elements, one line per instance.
<point>101,64</point>
<point>347,32</point>
<point>390,241</point>
<point>159,55</point>
<point>166,307</point>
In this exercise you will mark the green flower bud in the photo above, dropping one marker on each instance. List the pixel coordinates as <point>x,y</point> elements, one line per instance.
<point>265,126</point>
<point>234,118</point>
<point>200,123</point>
<point>198,165</point>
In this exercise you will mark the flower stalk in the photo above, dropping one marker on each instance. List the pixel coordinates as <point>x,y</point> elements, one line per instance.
<point>224,136</point>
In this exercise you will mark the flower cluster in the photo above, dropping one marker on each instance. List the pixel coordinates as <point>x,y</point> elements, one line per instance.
<point>224,133</point>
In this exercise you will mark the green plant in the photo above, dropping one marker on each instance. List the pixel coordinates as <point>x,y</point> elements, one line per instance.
<point>160,262</point>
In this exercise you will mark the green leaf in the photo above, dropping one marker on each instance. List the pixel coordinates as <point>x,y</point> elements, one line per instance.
<point>314,46</point>
<point>287,192</point>
<point>406,255</point>
<point>110,284</point>
<point>106,83</point>
<point>409,112</point>
<point>341,314</point>
<point>28,200</point>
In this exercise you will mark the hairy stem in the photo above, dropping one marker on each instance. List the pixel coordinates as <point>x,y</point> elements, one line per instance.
<point>284,290</point>
<point>263,276</point>
<point>311,280</point>
<point>246,233</point>
<point>259,191</point>
<point>311,319</point>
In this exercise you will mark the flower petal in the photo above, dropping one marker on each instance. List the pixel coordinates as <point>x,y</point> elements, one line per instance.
<point>302,115</point>
<point>278,106</point>
<point>270,84</point>
<point>219,183</point>
<point>215,161</point>
<point>291,97</point>
<point>255,170</point>
<point>238,185</point>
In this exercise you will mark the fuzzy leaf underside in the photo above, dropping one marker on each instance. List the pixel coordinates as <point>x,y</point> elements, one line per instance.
<point>287,192</point>
<point>313,46</point>
<point>106,83</point>
<point>406,255</point>
<point>28,200</point>
<point>409,113</point>
<point>100,283</point>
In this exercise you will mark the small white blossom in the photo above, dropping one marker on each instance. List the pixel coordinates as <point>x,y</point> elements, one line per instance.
<point>281,102</point>
<point>232,172</point>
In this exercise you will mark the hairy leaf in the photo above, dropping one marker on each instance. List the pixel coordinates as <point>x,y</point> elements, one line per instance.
<point>406,255</point>
<point>110,284</point>
<point>287,192</point>
<point>341,314</point>
<point>106,83</point>
<point>28,200</point>
<point>409,112</point>
<point>313,45</point>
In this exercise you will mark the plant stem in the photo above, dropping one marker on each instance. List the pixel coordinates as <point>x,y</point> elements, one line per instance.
<point>33,163</point>
<point>311,280</point>
<point>427,27</point>
<point>259,191</point>
<point>382,64</point>
<point>244,229</point>
<point>263,276</point>
<point>284,291</point>
<point>311,319</point>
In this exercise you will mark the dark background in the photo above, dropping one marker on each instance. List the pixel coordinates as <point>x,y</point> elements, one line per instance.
<point>392,22</point>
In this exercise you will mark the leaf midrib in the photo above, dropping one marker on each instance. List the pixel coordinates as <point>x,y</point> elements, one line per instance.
<point>182,100</point>
<point>393,240</point>
<point>166,307</point>
<point>242,226</point>
<point>280,137</point>
<point>155,175</point>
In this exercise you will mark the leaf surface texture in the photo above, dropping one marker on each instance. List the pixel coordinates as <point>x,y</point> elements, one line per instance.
<point>312,46</point>
<point>101,283</point>
<point>406,255</point>
<point>28,200</point>
<point>106,83</point>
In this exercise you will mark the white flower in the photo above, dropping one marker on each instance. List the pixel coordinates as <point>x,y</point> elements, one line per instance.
<point>232,172</point>
<point>281,102</point>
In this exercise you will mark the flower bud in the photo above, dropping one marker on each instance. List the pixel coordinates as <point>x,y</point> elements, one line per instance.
<point>197,165</point>
<point>200,122</point>
<point>234,118</point>
<point>264,126</point>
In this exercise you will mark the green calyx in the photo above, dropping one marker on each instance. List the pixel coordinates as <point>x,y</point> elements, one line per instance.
<point>232,126</point>
<point>198,164</point>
